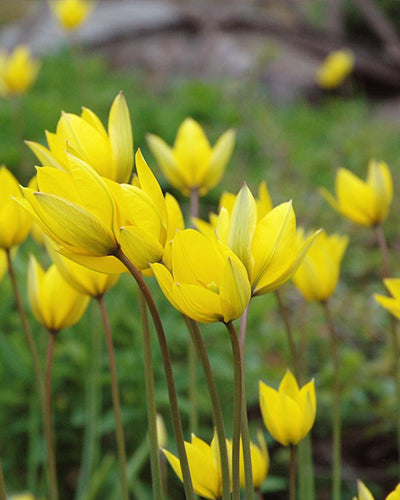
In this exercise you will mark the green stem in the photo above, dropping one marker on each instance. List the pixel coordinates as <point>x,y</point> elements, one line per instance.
<point>237,409</point>
<point>336,472</point>
<point>198,342</point>
<point>290,336</point>
<point>248,469</point>
<point>292,474</point>
<point>169,376</point>
<point>119,429</point>
<point>3,492</point>
<point>158,492</point>
<point>381,240</point>
<point>48,425</point>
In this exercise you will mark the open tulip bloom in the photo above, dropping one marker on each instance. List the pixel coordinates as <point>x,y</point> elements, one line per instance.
<point>391,304</point>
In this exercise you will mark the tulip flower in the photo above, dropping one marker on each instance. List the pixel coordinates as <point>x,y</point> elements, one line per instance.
<point>366,203</point>
<point>363,492</point>
<point>22,496</point>
<point>395,494</point>
<point>267,245</point>
<point>18,71</point>
<point>54,303</point>
<point>15,223</point>
<point>70,14</point>
<point>192,164</point>
<point>335,68</point>
<point>317,276</point>
<point>288,413</point>
<point>207,282</point>
<point>110,152</point>
<point>391,304</point>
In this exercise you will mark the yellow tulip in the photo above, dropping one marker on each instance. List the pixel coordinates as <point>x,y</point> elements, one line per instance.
<point>204,465</point>
<point>15,223</point>
<point>335,68</point>
<point>192,164</point>
<point>109,153</point>
<point>395,494</point>
<point>317,276</point>
<point>54,303</point>
<point>363,492</point>
<point>288,413</point>
<point>84,280</point>
<point>391,304</point>
<point>207,281</point>
<point>22,496</point>
<point>70,14</point>
<point>266,244</point>
<point>366,203</point>
<point>18,71</point>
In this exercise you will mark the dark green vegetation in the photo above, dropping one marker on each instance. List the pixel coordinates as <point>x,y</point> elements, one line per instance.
<point>296,149</point>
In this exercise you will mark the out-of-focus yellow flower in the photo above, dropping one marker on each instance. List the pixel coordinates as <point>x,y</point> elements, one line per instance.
<point>363,492</point>
<point>84,280</point>
<point>395,494</point>
<point>207,281</point>
<point>318,274</point>
<point>366,203</point>
<point>70,14</point>
<point>15,223</point>
<point>54,303</point>
<point>267,246</point>
<point>204,465</point>
<point>259,461</point>
<point>192,164</point>
<point>335,68</point>
<point>18,71</point>
<point>22,496</point>
<point>110,152</point>
<point>162,436</point>
<point>288,413</point>
<point>391,304</point>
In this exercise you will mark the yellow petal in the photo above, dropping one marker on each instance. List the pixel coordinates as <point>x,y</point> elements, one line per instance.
<point>235,291</point>
<point>221,154</point>
<point>141,247</point>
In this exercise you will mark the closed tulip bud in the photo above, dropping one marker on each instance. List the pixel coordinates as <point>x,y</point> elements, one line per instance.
<point>54,303</point>
<point>162,436</point>
<point>365,203</point>
<point>395,494</point>
<point>288,413</point>
<point>207,282</point>
<point>192,164</point>
<point>18,71</point>
<point>204,465</point>
<point>335,68</point>
<point>70,14</point>
<point>109,152</point>
<point>391,304</point>
<point>15,223</point>
<point>363,492</point>
<point>318,274</point>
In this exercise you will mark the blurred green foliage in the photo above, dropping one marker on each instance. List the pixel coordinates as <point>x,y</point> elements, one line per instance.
<point>296,148</point>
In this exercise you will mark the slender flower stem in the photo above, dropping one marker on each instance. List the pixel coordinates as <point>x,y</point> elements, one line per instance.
<point>292,474</point>
<point>48,425</point>
<point>237,409</point>
<point>169,376</point>
<point>381,240</point>
<point>289,333</point>
<point>248,469</point>
<point>158,492</point>
<point>119,430</point>
<point>3,493</point>
<point>336,473</point>
<point>198,342</point>
<point>26,327</point>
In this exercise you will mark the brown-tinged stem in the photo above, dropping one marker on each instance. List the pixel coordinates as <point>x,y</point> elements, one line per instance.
<point>237,408</point>
<point>289,333</point>
<point>292,474</point>
<point>169,376</point>
<point>248,469</point>
<point>336,472</point>
<point>156,479</point>
<point>25,326</point>
<point>218,418</point>
<point>48,424</point>
<point>3,492</point>
<point>119,429</point>
<point>381,240</point>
